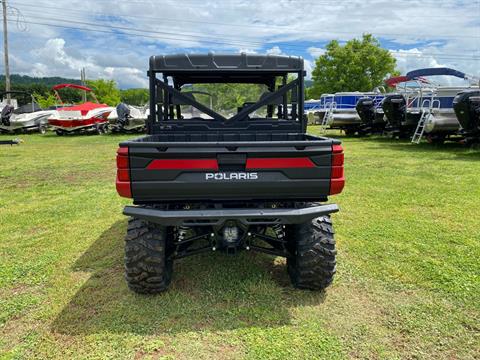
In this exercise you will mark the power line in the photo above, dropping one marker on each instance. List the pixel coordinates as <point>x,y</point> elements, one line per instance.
<point>195,35</point>
<point>295,2</point>
<point>213,23</point>
<point>232,41</point>
<point>452,57</point>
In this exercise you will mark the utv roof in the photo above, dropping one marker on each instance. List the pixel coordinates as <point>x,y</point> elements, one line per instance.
<point>225,63</point>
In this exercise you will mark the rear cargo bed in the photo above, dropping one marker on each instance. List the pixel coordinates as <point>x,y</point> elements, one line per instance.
<point>222,166</point>
<point>228,137</point>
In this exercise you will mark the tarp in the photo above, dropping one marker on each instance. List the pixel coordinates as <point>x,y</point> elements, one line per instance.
<point>83,108</point>
<point>435,72</point>
<point>74,86</point>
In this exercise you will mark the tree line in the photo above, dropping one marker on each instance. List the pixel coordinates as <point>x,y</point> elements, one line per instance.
<point>107,91</point>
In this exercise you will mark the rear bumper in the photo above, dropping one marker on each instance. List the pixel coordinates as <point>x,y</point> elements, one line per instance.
<point>214,217</point>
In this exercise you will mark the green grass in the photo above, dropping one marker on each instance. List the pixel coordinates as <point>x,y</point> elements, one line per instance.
<point>408,284</point>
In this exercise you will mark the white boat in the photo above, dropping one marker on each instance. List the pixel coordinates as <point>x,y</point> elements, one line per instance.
<point>25,118</point>
<point>127,118</point>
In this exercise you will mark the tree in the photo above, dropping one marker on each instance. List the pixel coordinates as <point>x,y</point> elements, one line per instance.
<point>45,101</point>
<point>228,97</point>
<point>106,91</point>
<point>138,97</point>
<point>359,65</point>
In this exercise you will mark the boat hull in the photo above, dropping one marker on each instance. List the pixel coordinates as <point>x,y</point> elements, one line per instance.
<point>26,122</point>
<point>72,121</point>
<point>134,121</point>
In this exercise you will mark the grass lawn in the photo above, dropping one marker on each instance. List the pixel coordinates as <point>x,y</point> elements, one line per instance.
<point>408,284</point>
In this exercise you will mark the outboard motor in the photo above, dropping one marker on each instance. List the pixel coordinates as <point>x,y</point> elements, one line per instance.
<point>467,108</point>
<point>123,113</point>
<point>6,113</point>
<point>366,110</point>
<point>371,115</point>
<point>394,107</point>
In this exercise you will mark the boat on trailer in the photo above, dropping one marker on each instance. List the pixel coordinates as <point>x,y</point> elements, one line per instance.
<point>127,118</point>
<point>25,118</point>
<point>342,113</point>
<point>439,121</point>
<point>421,108</point>
<point>86,117</point>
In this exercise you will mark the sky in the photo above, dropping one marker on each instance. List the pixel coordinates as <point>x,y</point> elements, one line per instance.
<point>114,39</point>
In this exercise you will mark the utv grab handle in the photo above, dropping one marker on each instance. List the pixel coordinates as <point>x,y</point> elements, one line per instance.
<point>215,217</point>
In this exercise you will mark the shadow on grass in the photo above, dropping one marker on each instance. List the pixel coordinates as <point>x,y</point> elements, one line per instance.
<point>461,151</point>
<point>209,292</point>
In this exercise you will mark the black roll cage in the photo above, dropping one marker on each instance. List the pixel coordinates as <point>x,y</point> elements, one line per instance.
<point>166,96</point>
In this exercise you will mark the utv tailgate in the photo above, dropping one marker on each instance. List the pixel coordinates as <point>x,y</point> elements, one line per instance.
<point>248,170</point>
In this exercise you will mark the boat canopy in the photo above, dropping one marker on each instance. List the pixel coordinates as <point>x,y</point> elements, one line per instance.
<point>393,81</point>
<point>73,86</point>
<point>435,72</point>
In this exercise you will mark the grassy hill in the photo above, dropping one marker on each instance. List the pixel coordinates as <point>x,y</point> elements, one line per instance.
<point>23,80</point>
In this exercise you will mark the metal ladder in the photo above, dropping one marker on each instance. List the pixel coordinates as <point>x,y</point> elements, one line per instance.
<point>330,107</point>
<point>427,111</point>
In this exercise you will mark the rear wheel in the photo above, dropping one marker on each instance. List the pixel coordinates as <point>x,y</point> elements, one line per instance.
<point>147,269</point>
<point>59,132</point>
<point>42,129</point>
<point>312,263</point>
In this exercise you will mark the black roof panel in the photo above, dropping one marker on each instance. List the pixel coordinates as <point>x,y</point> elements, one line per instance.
<point>225,63</point>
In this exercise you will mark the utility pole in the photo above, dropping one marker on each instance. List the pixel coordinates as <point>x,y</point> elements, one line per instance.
<point>84,83</point>
<point>5,50</point>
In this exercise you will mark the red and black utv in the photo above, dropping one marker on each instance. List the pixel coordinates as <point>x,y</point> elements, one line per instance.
<point>250,180</point>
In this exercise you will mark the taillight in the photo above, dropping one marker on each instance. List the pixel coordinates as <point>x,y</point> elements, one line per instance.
<point>337,178</point>
<point>123,173</point>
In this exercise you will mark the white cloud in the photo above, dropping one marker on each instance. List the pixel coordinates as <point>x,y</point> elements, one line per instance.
<point>315,51</point>
<point>274,51</point>
<point>443,33</point>
<point>309,65</point>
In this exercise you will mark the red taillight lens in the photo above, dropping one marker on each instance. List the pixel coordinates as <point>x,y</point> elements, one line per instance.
<point>122,158</point>
<point>337,172</point>
<point>337,155</point>
<point>122,162</point>
<point>337,181</point>
<point>123,189</point>
<point>123,173</point>
<point>338,159</point>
